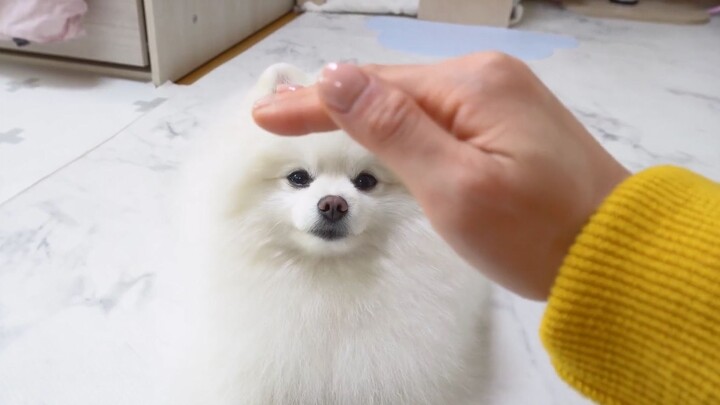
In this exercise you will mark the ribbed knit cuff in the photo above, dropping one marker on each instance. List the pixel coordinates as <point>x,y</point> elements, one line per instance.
<point>634,315</point>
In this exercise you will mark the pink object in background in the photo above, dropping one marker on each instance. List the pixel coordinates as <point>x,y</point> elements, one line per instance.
<point>41,21</point>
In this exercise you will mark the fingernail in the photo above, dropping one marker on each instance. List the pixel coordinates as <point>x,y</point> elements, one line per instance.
<point>264,101</point>
<point>340,86</point>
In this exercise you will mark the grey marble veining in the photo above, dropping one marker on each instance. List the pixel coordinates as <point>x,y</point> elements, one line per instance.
<point>647,91</point>
<point>84,251</point>
<point>49,118</point>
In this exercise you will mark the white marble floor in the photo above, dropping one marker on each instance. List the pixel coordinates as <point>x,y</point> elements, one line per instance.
<point>48,118</point>
<point>84,239</point>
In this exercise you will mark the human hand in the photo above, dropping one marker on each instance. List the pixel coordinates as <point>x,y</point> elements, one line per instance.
<point>505,173</point>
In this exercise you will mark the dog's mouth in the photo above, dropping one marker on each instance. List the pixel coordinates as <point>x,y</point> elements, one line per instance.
<point>329,232</point>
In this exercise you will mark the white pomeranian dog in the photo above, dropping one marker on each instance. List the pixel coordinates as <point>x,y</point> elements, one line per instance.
<point>316,279</point>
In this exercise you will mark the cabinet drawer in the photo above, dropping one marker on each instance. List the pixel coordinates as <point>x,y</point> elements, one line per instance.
<point>114,33</point>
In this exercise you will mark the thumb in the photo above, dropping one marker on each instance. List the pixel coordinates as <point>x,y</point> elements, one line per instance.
<point>386,121</point>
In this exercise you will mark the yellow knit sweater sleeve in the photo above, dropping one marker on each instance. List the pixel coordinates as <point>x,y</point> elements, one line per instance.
<point>634,315</point>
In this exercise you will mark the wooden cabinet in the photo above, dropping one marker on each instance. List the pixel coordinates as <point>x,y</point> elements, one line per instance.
<point>158,39</point>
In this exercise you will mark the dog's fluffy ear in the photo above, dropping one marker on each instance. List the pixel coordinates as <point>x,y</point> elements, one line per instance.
<point>277,74</point>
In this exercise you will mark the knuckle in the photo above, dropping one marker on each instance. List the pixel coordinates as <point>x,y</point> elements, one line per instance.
<point>497,72</point>
<point>496,59</point>
<point>386,119</point>
<point>503,66</point>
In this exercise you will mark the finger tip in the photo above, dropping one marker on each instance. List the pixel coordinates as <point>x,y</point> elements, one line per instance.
<point>261,119</point>
<point>269,121</point>
<point>292,113</point>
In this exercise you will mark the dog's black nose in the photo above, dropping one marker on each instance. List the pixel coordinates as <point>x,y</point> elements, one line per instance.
<point>333,207</point>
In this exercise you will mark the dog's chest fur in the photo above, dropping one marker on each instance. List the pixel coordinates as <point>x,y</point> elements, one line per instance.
<point>303,339</point>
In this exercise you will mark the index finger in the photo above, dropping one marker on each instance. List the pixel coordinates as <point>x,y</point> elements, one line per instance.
<point>300,112</point>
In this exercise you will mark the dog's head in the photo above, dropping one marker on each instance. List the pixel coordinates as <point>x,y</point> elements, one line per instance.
<point>328,196</point>
<point>318,195</point>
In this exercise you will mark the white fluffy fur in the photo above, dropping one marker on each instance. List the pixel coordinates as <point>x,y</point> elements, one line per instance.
<point>388,315</point>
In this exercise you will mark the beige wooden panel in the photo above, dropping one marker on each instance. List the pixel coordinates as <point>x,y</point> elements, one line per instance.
<point>114,34</point>
<point>135,73</point>
<point>184,34</point>
<point>660,11</point>
<point>480,12</point>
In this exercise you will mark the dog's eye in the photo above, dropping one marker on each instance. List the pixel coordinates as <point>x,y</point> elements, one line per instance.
<point>365,182</point>
<point>299,178</point>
